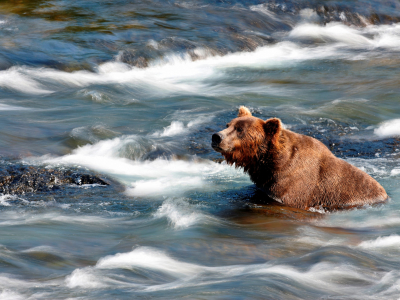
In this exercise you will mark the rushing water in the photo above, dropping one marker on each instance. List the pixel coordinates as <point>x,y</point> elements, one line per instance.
<point>131,92</point>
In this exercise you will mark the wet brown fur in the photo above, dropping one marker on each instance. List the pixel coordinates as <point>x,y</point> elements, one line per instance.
<point>295,169</point>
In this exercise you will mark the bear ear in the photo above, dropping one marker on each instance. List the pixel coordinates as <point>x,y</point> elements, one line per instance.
<point>272,128</point>
<point>244,112</point>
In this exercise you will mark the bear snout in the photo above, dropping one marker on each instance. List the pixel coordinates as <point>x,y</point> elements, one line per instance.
<point>216,139</point>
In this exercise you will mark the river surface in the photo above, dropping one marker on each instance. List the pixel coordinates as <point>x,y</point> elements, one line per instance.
<point>131,92</point>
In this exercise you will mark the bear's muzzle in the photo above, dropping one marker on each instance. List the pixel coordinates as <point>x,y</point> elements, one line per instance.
<point>216,140</point>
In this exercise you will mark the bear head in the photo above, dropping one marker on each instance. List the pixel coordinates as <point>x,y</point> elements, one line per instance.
<point>246,139</point>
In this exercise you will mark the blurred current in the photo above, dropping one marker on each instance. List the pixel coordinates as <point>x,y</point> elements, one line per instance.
<point>109,188</point>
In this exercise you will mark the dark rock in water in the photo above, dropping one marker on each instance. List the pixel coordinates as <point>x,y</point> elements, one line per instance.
<point>20,179</point>
<point>349,12</point>
<point>138,59</point>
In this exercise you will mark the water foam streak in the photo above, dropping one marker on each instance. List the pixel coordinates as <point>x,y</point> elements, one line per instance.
<point>388,128</point>
<point>330,277</point>
<point>177,74</point>
<point>168,177</point>
<point>181,214</point>
<point>392,241</point>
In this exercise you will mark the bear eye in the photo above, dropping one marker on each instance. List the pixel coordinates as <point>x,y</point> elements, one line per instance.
<point>239,129</point>
<point>227,125</point>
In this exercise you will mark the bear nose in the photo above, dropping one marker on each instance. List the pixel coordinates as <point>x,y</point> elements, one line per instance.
<point>216,138</point>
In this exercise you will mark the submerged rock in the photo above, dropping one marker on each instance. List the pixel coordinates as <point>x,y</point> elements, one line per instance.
<point>21,179</point>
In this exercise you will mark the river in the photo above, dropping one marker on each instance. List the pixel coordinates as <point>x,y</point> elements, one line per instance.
<point>107,110</point>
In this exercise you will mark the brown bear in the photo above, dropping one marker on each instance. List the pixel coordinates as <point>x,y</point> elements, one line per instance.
<point>292,168</point>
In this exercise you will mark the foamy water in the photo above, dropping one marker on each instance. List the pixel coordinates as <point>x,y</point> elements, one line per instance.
<point>392,241</point>
<point>329,276</point>
<point>131,93</point>
<point>179,74</point>
<point>6,107</point>
<point>389,128</point>
<point>179,127</point>
<point>121,158</point>
<point>147,178</point>
<point>181,214</point>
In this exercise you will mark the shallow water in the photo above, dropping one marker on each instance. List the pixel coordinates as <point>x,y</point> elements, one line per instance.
<point>132,92</point>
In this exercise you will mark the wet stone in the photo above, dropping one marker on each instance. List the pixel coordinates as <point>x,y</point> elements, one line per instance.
<point>19,179</point>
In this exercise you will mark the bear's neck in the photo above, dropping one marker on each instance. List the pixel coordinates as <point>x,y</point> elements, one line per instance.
<point>262,164</point>
<point>262,169</point>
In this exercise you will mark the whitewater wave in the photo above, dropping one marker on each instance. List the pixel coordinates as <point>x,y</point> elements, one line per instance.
<point>9,284</point>
<point>47,249</point>
<point>7,294</point>
<point>162,176</point>
<point>6,199</point>
<point>383,36</point>
<point>316,238</point>
<point>142,258</point>
<point>179,74</point>
<point>326,275</point>
<point>15,219</point>
<point>181,214</point>
<point>175,128</point>
<point>16,79</point>
<point>392,241</point>
<point>150,258</point>
<point>388,128</point>
<point>179,128</point>
<point>171,185</point>
<point>333,32</point>
<point>6,107</point>
<point>376,167</point>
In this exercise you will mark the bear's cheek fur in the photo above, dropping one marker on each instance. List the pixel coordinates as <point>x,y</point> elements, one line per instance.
<point>242,149</point>
<point>230,143</point>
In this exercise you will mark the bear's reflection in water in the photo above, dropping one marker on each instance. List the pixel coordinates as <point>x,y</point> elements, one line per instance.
<point>254,209</point>
<point>262,211</point>
<point>261,229</point>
